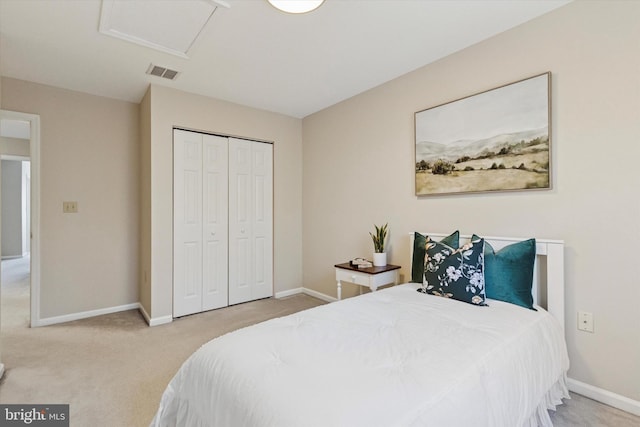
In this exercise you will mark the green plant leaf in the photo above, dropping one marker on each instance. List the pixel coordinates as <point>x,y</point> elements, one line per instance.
<point>379,237</point>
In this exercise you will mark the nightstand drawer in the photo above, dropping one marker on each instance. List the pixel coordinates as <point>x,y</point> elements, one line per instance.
<point>371,277</point>
<point>352,277</point>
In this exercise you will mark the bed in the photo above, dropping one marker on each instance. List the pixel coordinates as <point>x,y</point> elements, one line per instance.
<point>394,357</point>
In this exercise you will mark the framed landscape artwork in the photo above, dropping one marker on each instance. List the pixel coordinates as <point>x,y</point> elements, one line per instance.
<point>498,140</point>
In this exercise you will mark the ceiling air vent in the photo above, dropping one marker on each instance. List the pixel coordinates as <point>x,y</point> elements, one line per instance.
<point>166,73</point>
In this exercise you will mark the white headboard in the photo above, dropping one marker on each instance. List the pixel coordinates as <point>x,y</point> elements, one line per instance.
<point>548,273</point>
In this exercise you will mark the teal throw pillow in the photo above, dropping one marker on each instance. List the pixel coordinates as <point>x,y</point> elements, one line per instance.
<point>508,273</point>
<point>419,242</point>
<point>455,273</point>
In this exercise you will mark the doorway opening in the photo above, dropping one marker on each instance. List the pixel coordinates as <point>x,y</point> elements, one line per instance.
<point>15,189</point>
<point>20,278</point>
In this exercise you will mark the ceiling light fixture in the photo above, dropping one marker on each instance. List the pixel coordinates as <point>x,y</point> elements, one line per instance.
<point>296,6</point>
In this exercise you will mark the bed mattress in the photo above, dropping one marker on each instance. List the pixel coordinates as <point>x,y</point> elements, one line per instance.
<point>395,357</point>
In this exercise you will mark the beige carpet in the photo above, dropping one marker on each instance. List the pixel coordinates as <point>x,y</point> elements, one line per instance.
<point>113,369</point>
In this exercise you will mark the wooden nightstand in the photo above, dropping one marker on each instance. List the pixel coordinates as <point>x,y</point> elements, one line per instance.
<point>372,277</point>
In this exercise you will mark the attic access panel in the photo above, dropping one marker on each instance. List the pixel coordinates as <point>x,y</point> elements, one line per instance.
<point>170,26</point>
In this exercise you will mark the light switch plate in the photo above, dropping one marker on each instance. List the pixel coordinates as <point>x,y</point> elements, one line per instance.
<point>70,207</point>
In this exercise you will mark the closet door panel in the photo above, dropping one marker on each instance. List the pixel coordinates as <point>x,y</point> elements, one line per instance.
<point>240,222</point>
<point>215,222</point>
<point>262,177</point>
<point>187,223</point>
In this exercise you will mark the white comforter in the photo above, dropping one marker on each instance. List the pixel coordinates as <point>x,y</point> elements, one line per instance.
<point>390,358</point>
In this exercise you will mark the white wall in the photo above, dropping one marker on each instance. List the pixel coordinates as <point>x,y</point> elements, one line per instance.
<point>12,209</point>
<point>15,205</point>
<point>14,146</point>
<point>169,108</point>
<point>359,162</point>
<point>90,154</point>
<point>144,273</point>
<point>26,207</point>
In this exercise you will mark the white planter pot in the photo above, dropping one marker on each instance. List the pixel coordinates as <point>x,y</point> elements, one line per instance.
<point>380,259</point>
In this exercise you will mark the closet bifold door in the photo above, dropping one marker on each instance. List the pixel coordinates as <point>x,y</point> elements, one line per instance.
<point>200,222</point>
<point>250,220</point>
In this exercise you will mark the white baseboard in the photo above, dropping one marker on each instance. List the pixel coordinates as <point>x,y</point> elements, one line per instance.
<point>154,321</point>
<point>289,292</point>
<point>305,291</point>
<point>319,295</point>
<point>604,396</point>
<point>84,314</point>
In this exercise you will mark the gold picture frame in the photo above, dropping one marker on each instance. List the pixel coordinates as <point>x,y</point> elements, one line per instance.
<point>496,140</point>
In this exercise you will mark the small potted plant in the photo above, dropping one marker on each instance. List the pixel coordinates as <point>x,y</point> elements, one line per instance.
<point>379,256</point>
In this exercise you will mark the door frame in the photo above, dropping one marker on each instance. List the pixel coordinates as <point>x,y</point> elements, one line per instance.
<point>34,154</point>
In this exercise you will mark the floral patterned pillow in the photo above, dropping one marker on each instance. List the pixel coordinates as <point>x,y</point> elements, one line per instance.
<point>455,273</point>
<point>419,240</point>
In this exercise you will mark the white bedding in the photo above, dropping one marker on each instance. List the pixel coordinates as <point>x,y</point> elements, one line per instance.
<point>395,357</point>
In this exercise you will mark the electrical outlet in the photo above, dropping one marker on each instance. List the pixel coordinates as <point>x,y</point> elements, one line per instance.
<point>585,321</point>
<point>70,207</point>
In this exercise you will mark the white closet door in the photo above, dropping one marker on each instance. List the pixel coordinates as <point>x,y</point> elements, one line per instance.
<point>262,179</point>
<point>215,221</point>
<point>187,223</point>
<point>250,220</point>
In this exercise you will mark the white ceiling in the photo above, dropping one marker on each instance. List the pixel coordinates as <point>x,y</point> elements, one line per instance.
<point>251,53</point>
